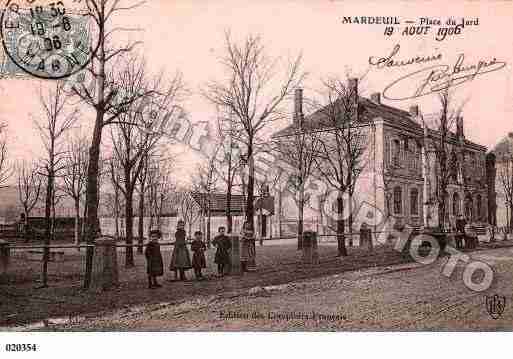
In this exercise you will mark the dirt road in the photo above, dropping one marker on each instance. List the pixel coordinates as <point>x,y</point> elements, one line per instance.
<point>398,297</point>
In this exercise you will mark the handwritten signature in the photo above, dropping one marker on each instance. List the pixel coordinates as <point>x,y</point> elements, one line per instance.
<point>438,78</point>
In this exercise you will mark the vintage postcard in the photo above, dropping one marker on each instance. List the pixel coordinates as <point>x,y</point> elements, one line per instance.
<point>255,166</point>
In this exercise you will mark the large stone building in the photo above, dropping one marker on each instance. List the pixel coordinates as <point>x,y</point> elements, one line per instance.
<point>501,178</point>
<point>400,176</point>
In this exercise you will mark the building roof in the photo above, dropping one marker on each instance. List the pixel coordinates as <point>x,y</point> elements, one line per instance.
<point>237,205</point>
<point>218,202</point>
<point>368,111</point>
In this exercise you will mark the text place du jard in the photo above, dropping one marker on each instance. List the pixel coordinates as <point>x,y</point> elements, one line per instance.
<point>440,28</point>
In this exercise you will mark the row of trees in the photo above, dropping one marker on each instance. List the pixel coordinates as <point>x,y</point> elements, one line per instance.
<point>137,109</point>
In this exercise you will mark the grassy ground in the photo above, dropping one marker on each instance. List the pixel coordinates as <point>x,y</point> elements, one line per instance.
<point>278,263</point>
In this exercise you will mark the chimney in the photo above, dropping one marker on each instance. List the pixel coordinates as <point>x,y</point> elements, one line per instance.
<point>459,127</point>
<point>376,97</point>
<point>352,85</point>
<point>510,134</point>
<point>414,110</point>
<point>298,107</point>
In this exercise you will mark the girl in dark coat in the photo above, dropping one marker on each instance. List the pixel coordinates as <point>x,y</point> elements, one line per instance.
<point>154,264</point>
<point>198,254</point>
<point>224,245</point>
<point>180,259</point>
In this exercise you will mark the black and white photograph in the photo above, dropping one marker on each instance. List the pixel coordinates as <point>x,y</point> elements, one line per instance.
<point>239,166</point>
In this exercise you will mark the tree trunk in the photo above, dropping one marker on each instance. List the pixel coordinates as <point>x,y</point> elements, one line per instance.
<point>159,214</point>
<point>280,211</point>
<point>321,216</point>
<point>92,200</point>
<point>300,221</point>
<point>26,232</point>
<point>271,227</point>
<point>250,211</point>
<point>341,240</point>
<point>77,222</point>
<point>511,217</point>
<point>52,226</point>
<point>48,229</point>
<point>208,224</point>
<point>261,225</point>
<point>129,228</point>
<point>229,219</point>
<point>151,215</point>
<point>350,219</point>
<point>116,212</point>
<point>140,224</point>
<point>83,226</point>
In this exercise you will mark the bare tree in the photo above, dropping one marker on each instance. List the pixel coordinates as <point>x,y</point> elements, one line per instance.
<point>114,199</point>
<point>254,94</point>
<point>159,187</point>
<point>5,167</point>
<point>104,100</point>
<point>299,150</point>
<point>189,208</point>
<point>29,186</point>
<point>342,147</point>
<point>57,119</point>
<point>206,183</point>
<point>163,190</point>
<point>74,175</point>
<point>141,188</point>
<point>139,129</point>
<point>438,142</point>
<point>230,162</point>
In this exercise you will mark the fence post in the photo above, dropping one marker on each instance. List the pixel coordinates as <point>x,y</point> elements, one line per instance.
<point>106,275</point>
<point>4,257</point>
<point>310,251</point>
<point>235,254</point>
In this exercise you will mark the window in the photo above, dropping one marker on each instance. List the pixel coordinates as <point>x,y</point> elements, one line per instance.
<point>479,207</point>
<point>469,208</point>
<point>398,200</point>
<point>456,204</point>
<point>396,152</point>
<point>453,166</point>
<point>419,156</point>
<point>414,201</point>
<point>413,157</point>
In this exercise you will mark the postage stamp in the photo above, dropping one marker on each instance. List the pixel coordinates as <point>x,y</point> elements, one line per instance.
<point>47,39</point>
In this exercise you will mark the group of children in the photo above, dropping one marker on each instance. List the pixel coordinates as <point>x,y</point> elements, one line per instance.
<point>180,258</point>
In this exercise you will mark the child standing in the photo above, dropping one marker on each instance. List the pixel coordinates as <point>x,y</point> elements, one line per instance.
<point>198,254</point>
<point>180,259</point>
<point>222,258</point>
<point>154,262</point>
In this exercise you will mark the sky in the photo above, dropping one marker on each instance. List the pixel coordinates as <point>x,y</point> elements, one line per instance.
<point>188,36</point>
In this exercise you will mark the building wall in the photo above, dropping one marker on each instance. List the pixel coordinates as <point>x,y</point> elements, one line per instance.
<point>393,159</point>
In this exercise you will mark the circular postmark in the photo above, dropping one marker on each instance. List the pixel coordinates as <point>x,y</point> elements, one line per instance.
<point>48,39</point>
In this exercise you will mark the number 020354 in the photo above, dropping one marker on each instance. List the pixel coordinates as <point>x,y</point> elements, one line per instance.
<point>20,347</point>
